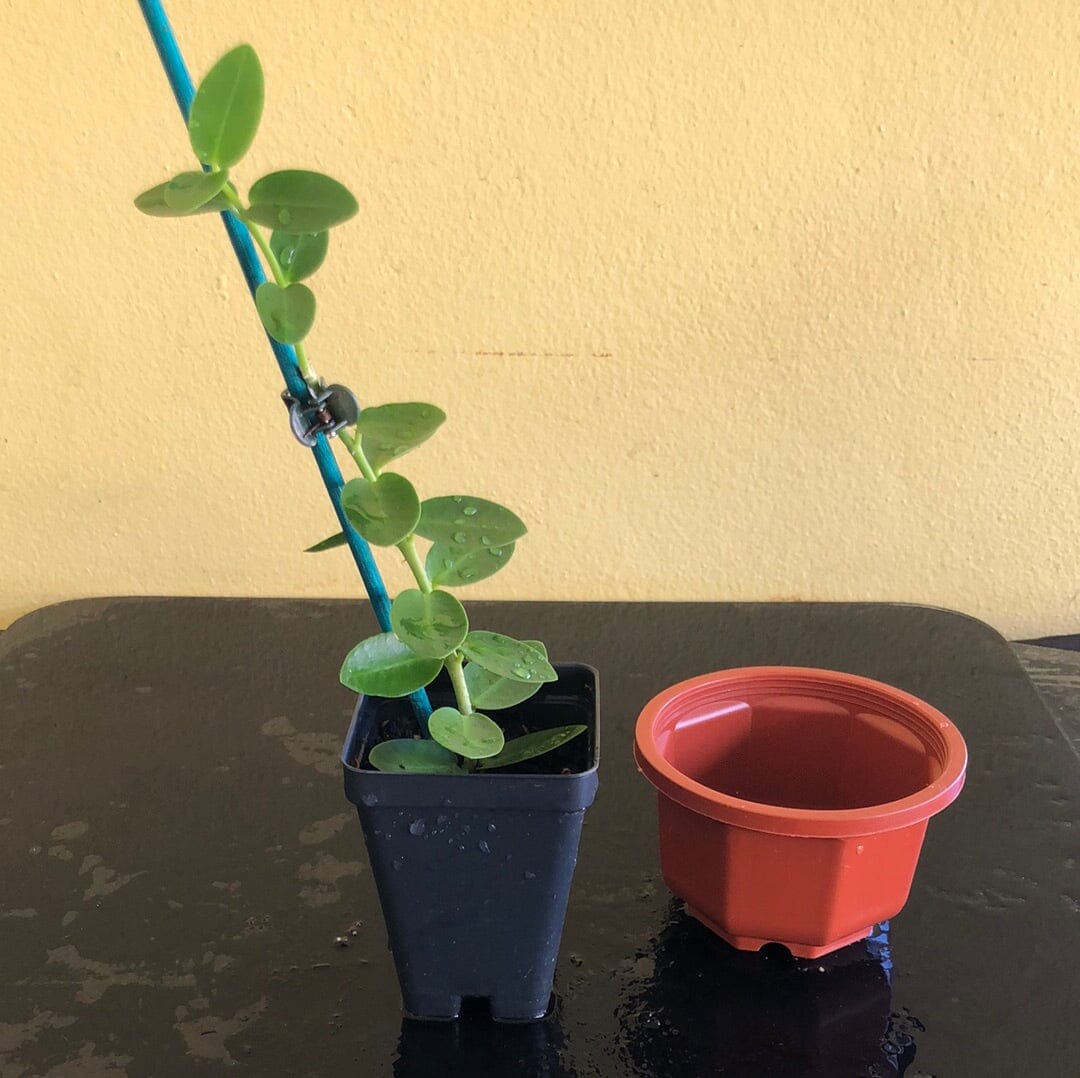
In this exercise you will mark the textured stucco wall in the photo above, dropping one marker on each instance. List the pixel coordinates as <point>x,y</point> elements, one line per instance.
<point>735,300</point>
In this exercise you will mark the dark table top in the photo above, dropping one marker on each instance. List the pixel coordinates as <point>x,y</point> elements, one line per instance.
<point>177,860</point>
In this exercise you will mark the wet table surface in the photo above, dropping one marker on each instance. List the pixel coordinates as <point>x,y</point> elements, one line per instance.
<point>177,861</point>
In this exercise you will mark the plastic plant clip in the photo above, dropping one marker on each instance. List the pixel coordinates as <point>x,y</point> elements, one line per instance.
<point>325,413</point>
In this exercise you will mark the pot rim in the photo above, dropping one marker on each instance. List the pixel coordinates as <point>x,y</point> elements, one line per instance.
<point>937,732</point>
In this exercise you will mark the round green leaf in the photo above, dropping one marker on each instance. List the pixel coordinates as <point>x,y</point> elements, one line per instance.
<point>529,745</point>
<point>227,108</point>
<point>287,313</point>
<point>419,757</point>
<point>390,430</point>
<point>473,736</point>
<point>383,512</point>
<point>153,203</point>
<point>507,657</point>
<point>489,691</point>
<point>465,521</point>
<point>299,254</point>
<point>299,201</point>
<point>187,191</point>
<point>455,566</point>
<point>383,666</point>
<point>432,624</point>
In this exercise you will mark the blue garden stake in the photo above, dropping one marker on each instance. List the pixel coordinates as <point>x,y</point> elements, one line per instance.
<point>184,91</point>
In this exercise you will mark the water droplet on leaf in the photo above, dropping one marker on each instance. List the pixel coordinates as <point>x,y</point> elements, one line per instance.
<point>460,537</point>
<point>284,217</point>
<point>470,510</point>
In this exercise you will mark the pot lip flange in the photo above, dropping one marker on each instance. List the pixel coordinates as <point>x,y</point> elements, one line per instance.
<point>810,823</point>
<point>573,792</point>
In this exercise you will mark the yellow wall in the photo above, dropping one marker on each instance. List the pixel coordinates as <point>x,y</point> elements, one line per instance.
<point>729,300</point>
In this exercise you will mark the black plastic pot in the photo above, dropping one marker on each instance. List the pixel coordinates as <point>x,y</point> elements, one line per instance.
<point>474,871</point>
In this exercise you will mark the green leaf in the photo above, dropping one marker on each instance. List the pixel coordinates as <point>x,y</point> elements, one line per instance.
<point>390,430</point>
<point>287,313</point>
<point>420,757</point>
<point>299,254</point>
<point>327,544</point>
<point>227,108</point>
<point>462,521</point>
<point>454,566</point>
<point>188,191</point>
<point>383,512</point>
<point>153,204</point>
<point>383,666</point>
<point>432,624</point>
<point>507,657</point>
<point>300,201</point>
<point>527,746</point>
<point>473,736</point>
<point>489,691</point>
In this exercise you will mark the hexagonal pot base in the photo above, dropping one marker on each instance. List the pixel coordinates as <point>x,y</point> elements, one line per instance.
<point>793,802</point>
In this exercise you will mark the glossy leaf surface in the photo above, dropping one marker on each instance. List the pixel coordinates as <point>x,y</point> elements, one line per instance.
<point>421,757</point>
<point>390,430</point>
<point>299,254</point>
<point>187,192</point>
<point>299,201</point>
<point>454,566</point>
<point>432,624</point>
<point>463,521</point>
<point>383,666</point>
<point>153,204</point>
<point>287,313</point>
<point>227,108</point>
<point>527,746</point>
<point>517,660</point>
<point>384,511</point>
<point>489,691</point>
<point>473,736</point>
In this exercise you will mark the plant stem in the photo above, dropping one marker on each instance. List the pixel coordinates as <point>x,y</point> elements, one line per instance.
<point>256,233</point>
<point>354,444</point>
<point>457,678</point>
<point>407,546</point>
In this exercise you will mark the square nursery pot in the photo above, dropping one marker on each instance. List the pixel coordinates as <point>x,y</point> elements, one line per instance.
<point>793,802</point>
<point>473,871</point>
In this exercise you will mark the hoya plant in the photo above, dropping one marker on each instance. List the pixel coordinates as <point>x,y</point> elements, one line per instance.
<point>469,538</point>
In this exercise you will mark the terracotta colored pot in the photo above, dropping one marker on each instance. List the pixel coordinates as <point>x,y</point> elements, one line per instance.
<point>793,802</point>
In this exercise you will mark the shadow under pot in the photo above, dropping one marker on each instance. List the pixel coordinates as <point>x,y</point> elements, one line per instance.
<point>793,802</point>
<point>474,871</point>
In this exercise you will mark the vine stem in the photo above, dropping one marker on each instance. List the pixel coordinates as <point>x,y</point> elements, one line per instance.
<point>354,444</point>
<point>407,546</point>
<point>256,233</point>
<point>457,679</point>
<point>453,662</point>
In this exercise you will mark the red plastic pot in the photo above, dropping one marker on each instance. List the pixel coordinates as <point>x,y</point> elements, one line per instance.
<point>793,802</point>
